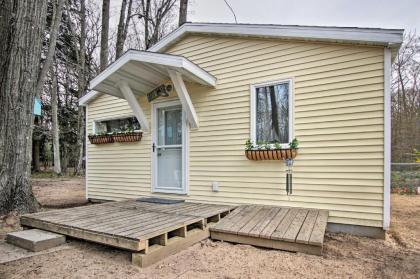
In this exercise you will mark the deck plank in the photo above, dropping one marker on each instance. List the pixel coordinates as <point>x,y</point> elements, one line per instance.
<point>78,213</point>
<point>294,228</point>
<point>284,225</point>
<point>98,218</point>
<point>239,224</point>
<point>158,218</point>
<point>103,218</point>
<point>260,215</point>
<point>307,227</point>
<point>272,226</point>
<point>226,223</point>
<point>259,227</point>
<point>167,226</point>
<point>240,219</point>
<point>123,222</point>
<point>318,232</point>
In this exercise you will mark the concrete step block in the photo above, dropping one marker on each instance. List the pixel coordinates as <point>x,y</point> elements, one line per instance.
<point>35,240</point>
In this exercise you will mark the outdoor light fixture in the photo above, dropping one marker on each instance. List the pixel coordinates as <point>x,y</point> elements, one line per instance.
<point>161,91</point>
<point>289,169</point>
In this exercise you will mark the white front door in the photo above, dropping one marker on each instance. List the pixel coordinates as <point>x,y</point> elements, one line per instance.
<point>168,147</point>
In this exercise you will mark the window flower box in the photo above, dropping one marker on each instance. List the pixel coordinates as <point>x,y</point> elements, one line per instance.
<point>100,139</point>
<point>127,136</point>
<point>271,151</point>
<point>271,154</point>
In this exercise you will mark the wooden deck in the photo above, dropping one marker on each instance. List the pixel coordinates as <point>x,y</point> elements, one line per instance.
<point>292,229</point>
<point>150,230</point>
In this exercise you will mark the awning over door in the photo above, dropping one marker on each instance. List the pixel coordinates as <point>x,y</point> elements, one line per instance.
<point>137,73</point>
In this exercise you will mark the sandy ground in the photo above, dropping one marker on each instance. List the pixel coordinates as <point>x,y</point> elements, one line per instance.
<point>344,256</point>
<point>59,192</point>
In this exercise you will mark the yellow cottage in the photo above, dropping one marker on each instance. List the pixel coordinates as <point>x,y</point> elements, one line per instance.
<point>200,93</point>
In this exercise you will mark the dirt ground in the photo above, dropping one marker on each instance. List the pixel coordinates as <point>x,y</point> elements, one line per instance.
<point>59,192</point>
<point>345,256</point>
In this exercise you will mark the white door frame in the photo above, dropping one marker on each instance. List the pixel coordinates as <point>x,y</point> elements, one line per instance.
<point>185,139</point>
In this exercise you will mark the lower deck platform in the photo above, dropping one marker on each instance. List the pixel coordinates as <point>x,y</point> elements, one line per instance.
<point>291,229</point>
<point>150,230</point>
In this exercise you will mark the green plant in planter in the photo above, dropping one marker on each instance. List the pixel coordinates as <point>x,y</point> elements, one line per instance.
<point>294,144</point>
<point>248,144</point>
<point>262,145</point>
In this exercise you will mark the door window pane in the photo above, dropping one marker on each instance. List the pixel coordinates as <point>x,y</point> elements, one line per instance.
<point>173,125</point>
<point>272,115</point>
<point>170,126</point>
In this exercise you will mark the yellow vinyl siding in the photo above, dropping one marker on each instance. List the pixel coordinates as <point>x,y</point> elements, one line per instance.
<point>117,168</point>
<point>338,119</point>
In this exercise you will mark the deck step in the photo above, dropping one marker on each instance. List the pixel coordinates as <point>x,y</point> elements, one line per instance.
<point>35,240</point>
<point>284,228</point>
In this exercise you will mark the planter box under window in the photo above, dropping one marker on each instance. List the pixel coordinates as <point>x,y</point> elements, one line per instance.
<point>100,139</point>
<point>276,154</point>
<point>127,137</point>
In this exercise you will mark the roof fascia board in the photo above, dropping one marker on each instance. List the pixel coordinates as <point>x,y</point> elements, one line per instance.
<point>383,37</point>
<point>205,77</point>
<point>89,97</point>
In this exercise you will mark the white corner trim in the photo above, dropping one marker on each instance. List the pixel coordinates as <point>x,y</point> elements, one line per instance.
<point>184,97</point>
<point>373,36</point>
<point>87,153</point>
<point>253,107</point>
<point>387,138</point>
<point>134,104</point>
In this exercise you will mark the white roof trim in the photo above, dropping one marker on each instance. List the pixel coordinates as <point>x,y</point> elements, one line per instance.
<point>88,98</point>
<point>374,36</point>
<point>171,61</point>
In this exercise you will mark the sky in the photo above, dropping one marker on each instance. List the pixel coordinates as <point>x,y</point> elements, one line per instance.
<point>401,14</point>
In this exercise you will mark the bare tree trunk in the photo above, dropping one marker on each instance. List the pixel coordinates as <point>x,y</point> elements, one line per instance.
<point>274,113</point>
<point>55,125</point>
<point>22,25</point>
<point>82,85</point>
<point>122,27</point>
<point>120,42</point>
<point>58,9</point>
<point>36,147</point>
<point>146,18</point>
<point>64,157</point>
<point>104,35</point>
<point>183,9</point>
<point>36,152</point>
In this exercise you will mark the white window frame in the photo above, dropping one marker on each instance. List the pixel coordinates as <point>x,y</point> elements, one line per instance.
<point>109,119</point>
<point>253,114</point>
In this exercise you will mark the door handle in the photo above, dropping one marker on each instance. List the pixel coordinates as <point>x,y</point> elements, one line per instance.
<point>153,147</point>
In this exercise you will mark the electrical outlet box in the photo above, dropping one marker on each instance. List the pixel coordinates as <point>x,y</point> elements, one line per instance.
<point>215,186</point>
